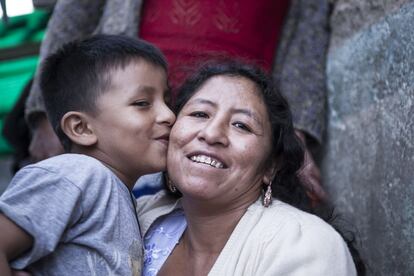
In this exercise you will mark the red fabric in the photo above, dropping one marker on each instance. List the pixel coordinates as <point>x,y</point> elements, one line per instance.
<point>191,31</point>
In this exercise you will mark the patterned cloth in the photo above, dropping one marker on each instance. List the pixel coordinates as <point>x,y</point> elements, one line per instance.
<point>223,27</point>
<point>161,239</point>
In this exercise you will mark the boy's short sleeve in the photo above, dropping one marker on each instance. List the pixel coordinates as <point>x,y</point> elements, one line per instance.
<point>44,204</point>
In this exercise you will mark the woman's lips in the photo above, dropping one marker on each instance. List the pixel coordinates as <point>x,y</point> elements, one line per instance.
<point>208,159</point>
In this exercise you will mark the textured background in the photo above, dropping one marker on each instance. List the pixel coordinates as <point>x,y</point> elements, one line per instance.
<point>368,160</point>
<point>5,175</point>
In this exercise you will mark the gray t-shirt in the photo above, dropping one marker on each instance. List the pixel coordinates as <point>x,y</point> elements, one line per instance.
<point>81,216</point>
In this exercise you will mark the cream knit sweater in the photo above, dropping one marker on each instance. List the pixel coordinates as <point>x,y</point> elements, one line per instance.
<point>278,240</point>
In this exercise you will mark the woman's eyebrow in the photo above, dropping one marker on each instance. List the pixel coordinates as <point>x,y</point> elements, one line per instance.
<point>244,111</point>
<point>203,101</point>
<point>248,113</point>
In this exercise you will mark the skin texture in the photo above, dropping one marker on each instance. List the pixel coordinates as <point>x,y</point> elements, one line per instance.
<point>13,241</point>
<point>133,122</point>
<point>232,126</point>
<point>226,119</point>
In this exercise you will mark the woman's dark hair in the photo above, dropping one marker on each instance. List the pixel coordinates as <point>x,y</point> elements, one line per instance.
<point>285,144</point>
<point>287,148</point>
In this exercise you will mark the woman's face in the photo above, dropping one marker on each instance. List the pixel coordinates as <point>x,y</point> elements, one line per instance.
<point>220,143</point>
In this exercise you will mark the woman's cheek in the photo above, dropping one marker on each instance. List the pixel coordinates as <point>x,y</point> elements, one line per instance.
<point>182,134</point>
<point>174,148</point>
<point>175,139</point>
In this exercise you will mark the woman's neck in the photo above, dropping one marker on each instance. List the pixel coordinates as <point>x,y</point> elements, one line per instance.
<point>208,229</point>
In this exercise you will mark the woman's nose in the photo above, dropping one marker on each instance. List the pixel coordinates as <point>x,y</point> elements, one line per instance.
<point>214,132</point>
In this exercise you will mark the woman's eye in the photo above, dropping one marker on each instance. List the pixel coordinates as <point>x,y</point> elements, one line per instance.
<point>242,126</point>
<point>199,114</point>
<point>141,103</point>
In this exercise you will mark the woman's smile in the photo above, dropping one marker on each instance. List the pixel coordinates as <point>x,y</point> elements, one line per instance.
<point>203,159</point>
<point>207,158</point>
<point>220,142</point>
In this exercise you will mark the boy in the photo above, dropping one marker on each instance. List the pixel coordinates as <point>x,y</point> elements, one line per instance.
<point>74,214</point>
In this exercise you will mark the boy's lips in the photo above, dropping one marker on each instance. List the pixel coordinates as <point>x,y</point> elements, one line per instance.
<point>163,138</point>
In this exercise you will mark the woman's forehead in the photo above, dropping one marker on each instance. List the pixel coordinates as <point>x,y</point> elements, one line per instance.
<point>238,88</point>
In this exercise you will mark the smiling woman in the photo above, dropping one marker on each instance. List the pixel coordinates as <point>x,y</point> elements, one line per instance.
<point>234,141</point>
<point>225,122</point>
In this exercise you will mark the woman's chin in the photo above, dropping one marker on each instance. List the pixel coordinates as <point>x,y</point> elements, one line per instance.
<point>200,192</point>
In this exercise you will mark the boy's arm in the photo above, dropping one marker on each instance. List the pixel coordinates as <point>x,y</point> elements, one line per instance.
<point>42,203</point>
<point>13,242</point>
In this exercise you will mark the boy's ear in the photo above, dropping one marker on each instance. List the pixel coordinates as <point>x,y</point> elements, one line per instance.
<point>77,127</point>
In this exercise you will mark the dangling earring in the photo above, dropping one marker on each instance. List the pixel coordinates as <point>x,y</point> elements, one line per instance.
<point>267,198</point>
<point>170,184</point>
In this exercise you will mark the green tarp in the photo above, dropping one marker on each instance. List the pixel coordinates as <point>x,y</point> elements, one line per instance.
<point>21,32</point>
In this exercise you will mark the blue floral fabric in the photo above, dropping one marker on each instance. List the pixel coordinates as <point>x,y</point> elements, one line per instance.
<point>161,239</point>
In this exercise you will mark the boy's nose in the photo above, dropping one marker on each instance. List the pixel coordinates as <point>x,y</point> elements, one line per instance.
<point>165,115</point>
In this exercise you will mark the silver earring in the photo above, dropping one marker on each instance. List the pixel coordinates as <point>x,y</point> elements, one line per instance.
<point>267,198</point>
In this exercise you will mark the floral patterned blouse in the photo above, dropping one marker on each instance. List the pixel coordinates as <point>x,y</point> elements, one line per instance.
<point>161,239</point>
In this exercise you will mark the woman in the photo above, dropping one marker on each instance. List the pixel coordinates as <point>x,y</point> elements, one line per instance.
<point>190,31</point>
<point>232,161</point>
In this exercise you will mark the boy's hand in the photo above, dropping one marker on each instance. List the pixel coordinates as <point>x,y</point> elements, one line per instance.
<point>13,242</point>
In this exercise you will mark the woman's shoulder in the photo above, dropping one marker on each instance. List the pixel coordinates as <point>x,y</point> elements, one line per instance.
<point>283,225</point>
<point>305,238</point>
<point>296,217</point>
<point>151,207</point>
<point>289,219</point>
<point>159,201</point>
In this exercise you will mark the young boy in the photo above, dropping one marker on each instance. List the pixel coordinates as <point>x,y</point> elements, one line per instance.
<point>74,214</point>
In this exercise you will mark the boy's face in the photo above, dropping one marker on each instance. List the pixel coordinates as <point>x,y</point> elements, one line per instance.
<point>133,122</point>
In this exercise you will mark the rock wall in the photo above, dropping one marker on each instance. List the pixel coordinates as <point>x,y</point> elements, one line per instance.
<point>368,159</point>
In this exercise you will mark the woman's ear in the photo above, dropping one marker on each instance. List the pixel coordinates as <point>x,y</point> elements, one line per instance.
<point>271,171</point>
<point>77,127</point>
<point>269,175</point>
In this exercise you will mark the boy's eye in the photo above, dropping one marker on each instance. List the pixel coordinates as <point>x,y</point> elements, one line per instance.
<point>242,126</point>
<point>199,114</point>
<point>141,103</point>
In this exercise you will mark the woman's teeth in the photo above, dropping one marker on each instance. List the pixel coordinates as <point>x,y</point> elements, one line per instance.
<point>207,160</point>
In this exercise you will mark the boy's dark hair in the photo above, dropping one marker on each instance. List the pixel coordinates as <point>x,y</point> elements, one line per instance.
<point>75,76</point>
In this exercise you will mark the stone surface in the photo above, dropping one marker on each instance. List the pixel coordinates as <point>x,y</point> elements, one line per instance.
<point>350,16</point>
<point>368,160</point>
